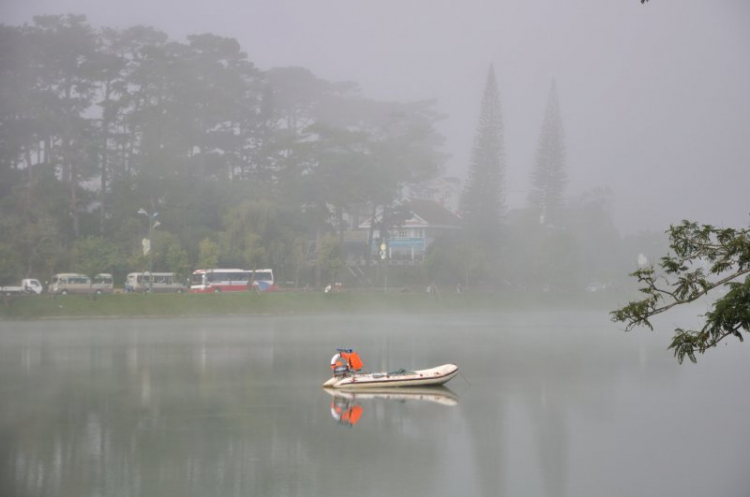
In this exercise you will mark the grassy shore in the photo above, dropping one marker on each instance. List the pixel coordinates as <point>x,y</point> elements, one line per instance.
<point>238,304</point>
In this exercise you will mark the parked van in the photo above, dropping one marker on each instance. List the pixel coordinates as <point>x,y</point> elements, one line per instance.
<point>162,283</point>
<point>103,283</point>
<point>65,283</point>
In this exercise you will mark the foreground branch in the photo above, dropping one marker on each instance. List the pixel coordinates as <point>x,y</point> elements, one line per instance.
<point>723,250</point>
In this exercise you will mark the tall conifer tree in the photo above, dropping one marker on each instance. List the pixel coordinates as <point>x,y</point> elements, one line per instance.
<point>482,203</point>
<point>548,176</point>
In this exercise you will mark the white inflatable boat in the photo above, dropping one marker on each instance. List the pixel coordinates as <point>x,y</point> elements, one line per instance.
<point>420,378</point>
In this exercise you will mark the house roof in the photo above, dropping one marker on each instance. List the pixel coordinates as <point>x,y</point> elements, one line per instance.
<point>425,214</point>
<point>432,213</point>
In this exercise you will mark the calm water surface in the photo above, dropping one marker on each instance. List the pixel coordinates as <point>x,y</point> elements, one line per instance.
<point>548,404</point>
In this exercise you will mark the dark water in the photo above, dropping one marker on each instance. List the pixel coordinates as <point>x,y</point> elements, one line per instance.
<point>551,404</point>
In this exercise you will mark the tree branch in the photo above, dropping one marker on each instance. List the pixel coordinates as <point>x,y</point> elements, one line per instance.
<point>698,295</point>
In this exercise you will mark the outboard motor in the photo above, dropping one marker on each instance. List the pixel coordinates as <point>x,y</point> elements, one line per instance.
<point>340,370</point>
<point>340,363</point>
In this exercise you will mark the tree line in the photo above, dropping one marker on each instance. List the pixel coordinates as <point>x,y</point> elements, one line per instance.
<point>244,167</point>
<point>255,168</point>
<point>554,243</point>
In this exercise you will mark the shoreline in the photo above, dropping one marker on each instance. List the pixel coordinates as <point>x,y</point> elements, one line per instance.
<point>165,306</point>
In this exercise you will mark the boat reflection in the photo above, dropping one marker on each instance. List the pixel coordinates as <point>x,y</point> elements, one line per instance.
<point>347,409</point>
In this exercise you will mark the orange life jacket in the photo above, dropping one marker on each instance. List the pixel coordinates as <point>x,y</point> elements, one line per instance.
<point>353,359</point>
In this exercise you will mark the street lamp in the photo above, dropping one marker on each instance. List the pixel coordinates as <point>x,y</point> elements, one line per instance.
<point>147,249</point>
<point>384,258</point>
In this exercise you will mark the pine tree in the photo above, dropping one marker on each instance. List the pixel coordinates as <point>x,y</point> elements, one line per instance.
<point>548,175</point>
<point>482,202</point>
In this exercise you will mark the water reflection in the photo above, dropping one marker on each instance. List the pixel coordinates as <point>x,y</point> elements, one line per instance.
<point>345,410</point>
<point>231,407</point>
<point>347,407</point>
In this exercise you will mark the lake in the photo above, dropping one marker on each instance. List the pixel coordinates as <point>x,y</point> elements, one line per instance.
<point>559,403</point>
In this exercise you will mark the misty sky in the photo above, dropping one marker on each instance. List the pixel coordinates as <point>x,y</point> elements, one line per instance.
<point>655,98</point>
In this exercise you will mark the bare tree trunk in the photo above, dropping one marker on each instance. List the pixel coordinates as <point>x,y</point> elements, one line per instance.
<point>70,170</point>
<point>74,202</point>
<point>340,222</point>
<point>317,263</point>
<point>368,253</point>
<point>103,186</point>
<point>30,172</point>
<point>104,166</point>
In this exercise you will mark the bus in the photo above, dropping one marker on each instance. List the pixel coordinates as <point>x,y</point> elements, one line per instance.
<point>231,280</point>
<point>162,283</point>
<point>65,283</point>
<point>103,283</point>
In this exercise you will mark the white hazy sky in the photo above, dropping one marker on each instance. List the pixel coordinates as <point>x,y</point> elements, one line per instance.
<point>655,98</point>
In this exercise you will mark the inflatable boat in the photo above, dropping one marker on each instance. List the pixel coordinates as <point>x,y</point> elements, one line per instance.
<point>424,377</point>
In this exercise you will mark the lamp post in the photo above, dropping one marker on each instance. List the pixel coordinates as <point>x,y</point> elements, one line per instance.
<point>152,223</point>
<point>384,258</point>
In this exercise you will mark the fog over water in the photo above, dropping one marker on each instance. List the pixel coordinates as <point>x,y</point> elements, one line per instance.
<point>558,403</point>
<point>653,97</point>
<point>655,104</point>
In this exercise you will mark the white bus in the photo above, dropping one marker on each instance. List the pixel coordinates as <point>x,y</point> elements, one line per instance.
<point>162,283</point>
<point>232,280</point>
<point>103,283</point>
<point>65,283</point>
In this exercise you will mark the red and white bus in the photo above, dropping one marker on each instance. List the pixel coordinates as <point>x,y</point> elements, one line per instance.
<point>231,280</point>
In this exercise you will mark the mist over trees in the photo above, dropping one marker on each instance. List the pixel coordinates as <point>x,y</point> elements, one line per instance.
<point>253,168</point>
<point>249,166</point>
<point>482,203</point>
<point>546,197</point>
<point>553,244</point>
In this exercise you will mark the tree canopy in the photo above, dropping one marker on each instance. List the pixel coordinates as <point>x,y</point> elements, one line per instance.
<point>247,167</point>
<point>482,202</point>
<point>548,176</point>
<point>705,259</point>
<point>97,123</point>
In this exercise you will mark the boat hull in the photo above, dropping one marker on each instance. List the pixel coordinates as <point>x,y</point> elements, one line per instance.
<point>424,377</point>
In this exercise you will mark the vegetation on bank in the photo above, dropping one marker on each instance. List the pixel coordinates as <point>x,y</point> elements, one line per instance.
<point>239,167</point>
<point>281,303</point>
